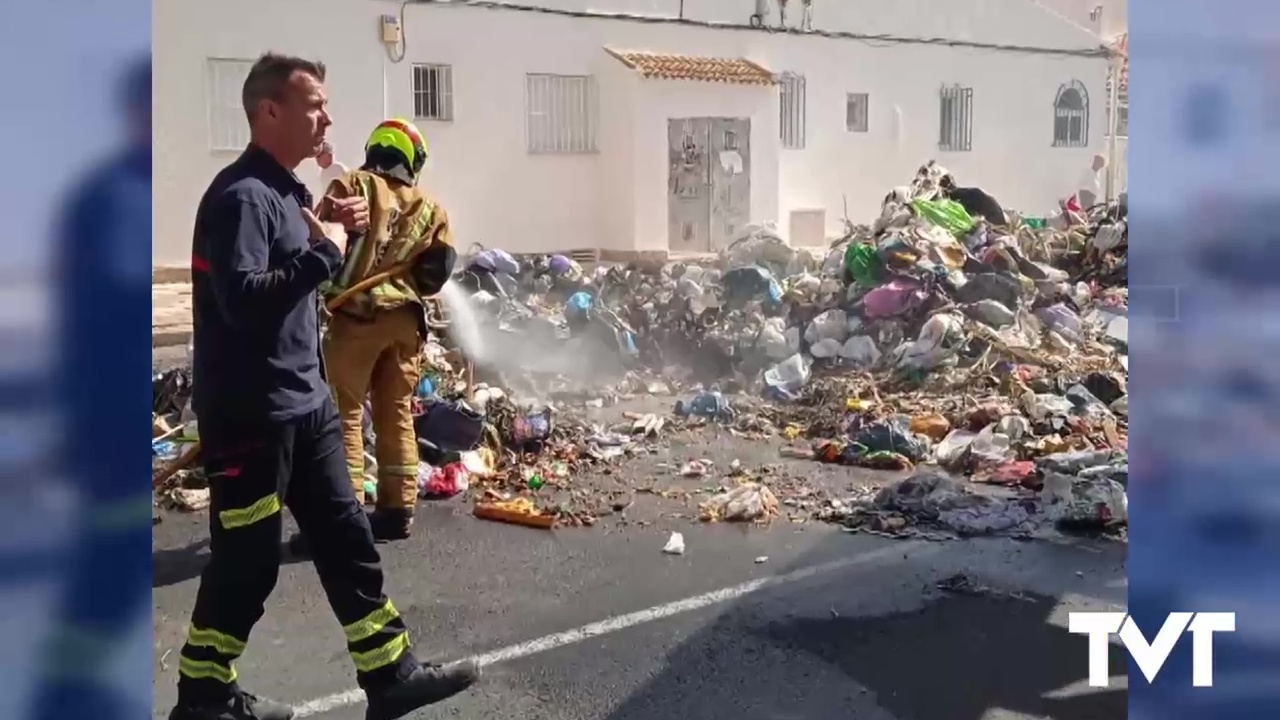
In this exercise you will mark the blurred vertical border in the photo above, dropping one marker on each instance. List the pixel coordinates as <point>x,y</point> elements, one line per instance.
<point>1204,134</point>
<point>75,309</point>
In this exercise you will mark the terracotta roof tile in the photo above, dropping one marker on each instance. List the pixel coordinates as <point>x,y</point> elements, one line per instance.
<point>738,71</point>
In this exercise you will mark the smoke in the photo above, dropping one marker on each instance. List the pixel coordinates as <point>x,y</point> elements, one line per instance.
<point>530,352</point>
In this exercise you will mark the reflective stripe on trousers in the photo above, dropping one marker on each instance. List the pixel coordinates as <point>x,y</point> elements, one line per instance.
<point>372,630</point>
<point>209,655</point>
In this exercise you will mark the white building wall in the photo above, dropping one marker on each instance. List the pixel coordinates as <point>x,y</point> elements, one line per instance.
<point>499,195</point>
<point>619,149</point>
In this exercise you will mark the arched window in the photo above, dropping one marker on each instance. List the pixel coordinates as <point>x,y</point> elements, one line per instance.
<point>1071,116</point>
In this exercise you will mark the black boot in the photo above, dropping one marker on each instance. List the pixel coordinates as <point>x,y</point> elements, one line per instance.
<point>240,706</point>
<point>390,523</point>
<point>427,684</point>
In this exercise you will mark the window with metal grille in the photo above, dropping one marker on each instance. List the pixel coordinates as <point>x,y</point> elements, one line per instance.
<point>791,103</point>
<point>956,119</point>
<point>855,112</point>
<point>433,92</point>
<point>224,85</point>
<point>1121,110</point>
<point>1071,116</point>
<point>561,114</point>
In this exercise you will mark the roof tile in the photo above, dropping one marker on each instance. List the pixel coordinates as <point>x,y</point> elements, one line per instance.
<point>737,71</point>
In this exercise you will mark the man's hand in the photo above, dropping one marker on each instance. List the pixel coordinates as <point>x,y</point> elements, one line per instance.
<point>352,212</point>
<point>324,230</point>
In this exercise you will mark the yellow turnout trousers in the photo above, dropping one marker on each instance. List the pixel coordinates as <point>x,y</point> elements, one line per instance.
<point>378,358</point>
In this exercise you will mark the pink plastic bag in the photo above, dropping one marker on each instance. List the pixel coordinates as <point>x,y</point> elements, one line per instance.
<point>893,298</point>
<point>443,482</point>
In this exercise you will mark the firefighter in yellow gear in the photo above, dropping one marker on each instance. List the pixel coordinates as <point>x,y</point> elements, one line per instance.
<point>373,344</point>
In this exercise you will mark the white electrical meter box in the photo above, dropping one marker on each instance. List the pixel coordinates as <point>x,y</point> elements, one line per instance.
<point>390,29</point>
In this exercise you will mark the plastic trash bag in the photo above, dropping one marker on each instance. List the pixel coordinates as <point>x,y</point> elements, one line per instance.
<point>954,448</point>
<point>938,336</point>
<point>773,340</point>
<point>895,298</point>
<point>744,284</point>
<point>1062,320</point>
<point>1080,503</point>
<point>450,480</point>
<point>862,262</point>
<point>991,313</point>
<point>496,261</point>
<point>861,351</point>
<point>789,376</point>
<point>947,214</point>
<point>826,348</point>
<point>830,325</point>
<point>893,436</point>
<point>749,502</point>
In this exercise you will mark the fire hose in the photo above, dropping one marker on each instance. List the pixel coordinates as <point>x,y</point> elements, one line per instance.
<point>188,456</point>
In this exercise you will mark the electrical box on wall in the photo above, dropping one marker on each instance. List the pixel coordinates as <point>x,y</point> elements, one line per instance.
<point>391,30</point>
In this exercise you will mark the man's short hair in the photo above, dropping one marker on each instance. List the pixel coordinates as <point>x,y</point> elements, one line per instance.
<point>270,75</point>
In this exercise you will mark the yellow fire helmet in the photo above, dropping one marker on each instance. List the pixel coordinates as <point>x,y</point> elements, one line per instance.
<point>400,139</point>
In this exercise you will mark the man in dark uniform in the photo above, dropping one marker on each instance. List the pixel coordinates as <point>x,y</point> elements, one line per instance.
<point>269,429</point>
<point>104,273</point>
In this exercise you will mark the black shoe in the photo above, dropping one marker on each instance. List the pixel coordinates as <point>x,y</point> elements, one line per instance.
<point>427,684</point>
<point>390,524</point>
<point>241,706</point>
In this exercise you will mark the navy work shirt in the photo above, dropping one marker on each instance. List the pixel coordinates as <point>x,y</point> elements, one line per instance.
<point>254,274</point>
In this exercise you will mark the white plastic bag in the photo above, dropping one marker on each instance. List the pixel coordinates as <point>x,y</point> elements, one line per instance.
<point>749,502</point>
<point>826,348</point>
<point>861,351</point>
<point>831,324</point>
<point>790,375</point>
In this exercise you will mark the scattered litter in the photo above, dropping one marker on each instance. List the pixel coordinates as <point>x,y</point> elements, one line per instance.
<point>965,584</point>
<point>442,482</point>
<point>988,362</point>
<point>749,502</point>
<point>518,511</point>
<point>675,544</point>
<point>696,468</point>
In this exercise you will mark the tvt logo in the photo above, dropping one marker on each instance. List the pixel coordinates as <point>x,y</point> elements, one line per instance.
<point>1151,656</point>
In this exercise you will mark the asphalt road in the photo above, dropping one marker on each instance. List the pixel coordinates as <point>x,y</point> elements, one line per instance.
<point>598,624</point>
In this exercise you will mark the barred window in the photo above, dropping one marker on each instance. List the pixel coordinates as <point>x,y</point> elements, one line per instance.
<point>792,106</point>
<point>561,114</point>
<point>1071,116</point>
<point>956,119</point>
<point>433,92</point>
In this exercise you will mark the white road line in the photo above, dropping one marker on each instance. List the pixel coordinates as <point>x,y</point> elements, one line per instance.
<point>882,556</point>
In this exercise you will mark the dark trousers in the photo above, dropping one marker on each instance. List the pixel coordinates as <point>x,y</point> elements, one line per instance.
<point>106,590</point>
<point>253,472</point>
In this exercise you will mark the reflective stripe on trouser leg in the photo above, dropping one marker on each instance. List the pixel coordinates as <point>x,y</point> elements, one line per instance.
<point>357,480</point>
<point>377,640</point>
<point>210,655</point>
<point>255,513</point>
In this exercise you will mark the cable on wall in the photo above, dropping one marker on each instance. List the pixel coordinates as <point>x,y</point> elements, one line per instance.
<point>874,40</point>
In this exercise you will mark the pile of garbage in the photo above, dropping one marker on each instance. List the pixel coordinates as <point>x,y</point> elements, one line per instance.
<point>992,352</point>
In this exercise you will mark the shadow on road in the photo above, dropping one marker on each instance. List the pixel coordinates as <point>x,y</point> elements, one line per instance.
<point>946,657</point>
<point>177,565</point>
